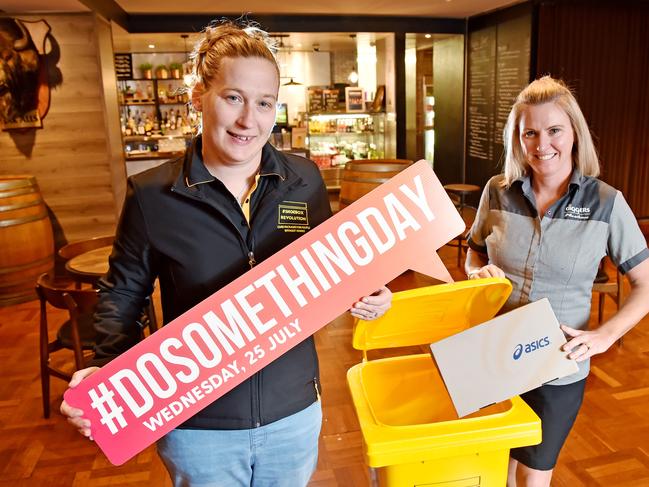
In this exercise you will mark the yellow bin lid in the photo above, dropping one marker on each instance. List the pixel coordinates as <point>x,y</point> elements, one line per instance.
<point>428,314</point>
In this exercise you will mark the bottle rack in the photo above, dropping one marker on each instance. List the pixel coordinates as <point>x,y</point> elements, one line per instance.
<point>154,116</point>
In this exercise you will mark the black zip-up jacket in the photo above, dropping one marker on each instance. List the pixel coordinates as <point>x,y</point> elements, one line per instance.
<point>182,225</point>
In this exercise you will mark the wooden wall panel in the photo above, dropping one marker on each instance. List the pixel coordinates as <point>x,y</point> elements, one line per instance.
<point>70,155</point>
<point>601,50</point>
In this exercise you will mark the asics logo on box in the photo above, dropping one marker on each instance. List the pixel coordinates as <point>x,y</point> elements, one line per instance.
<point>530,347</point>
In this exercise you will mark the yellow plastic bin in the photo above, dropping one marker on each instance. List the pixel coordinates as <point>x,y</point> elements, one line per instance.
<point>412,434</point>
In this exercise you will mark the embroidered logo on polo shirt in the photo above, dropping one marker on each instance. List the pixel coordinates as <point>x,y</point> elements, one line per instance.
<point>293,216</point>
<point>578,213</point>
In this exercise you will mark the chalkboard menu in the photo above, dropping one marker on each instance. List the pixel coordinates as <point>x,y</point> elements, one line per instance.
<point>512,69</point>
<point>499,67</point>
<point>482,80</point>
<point>315,99</point>
<point>330,98</point>
<point>123,65</point>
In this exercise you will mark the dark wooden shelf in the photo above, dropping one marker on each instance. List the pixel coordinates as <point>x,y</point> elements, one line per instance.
<point>144,138</point>
<point>138,103</point>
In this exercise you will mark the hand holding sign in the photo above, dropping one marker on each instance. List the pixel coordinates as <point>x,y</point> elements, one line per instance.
<point>210,349</point>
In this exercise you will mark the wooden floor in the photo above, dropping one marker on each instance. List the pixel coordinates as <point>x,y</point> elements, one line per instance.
<point>609,445</point>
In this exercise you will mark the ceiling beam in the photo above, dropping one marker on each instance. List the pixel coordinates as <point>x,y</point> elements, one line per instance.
<point>145,23</point>
<point>110,10</point>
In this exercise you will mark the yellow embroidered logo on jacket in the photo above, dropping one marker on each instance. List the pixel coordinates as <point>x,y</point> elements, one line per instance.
<point>293,216</point>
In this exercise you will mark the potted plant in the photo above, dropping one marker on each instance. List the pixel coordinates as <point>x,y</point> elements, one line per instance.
<point>176,69</point>
<point>146,69</point>
<point>161,71</point>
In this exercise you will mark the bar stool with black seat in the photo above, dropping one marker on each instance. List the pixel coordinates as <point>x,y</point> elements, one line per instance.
<point>77,333</point>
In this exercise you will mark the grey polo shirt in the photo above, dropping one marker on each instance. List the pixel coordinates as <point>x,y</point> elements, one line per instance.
<point>557,257</point>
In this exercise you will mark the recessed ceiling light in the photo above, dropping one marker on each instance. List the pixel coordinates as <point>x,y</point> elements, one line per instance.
<point>427,36</point>
<point>299,44</point>
<point>151,46</point>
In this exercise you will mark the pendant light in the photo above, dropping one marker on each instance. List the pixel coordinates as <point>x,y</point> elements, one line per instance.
<point>292,83</point>
<point>280,47</point>
<point>187,65</point>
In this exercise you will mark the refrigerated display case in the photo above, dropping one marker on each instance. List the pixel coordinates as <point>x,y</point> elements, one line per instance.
<point>335,138</point>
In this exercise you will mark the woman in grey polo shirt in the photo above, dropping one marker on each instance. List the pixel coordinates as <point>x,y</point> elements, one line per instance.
<point>545,224</point>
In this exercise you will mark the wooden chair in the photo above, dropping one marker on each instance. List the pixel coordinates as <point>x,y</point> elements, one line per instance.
<point>79,247</point>
<point>74,249</point>
<point>76,333</point>
<point>614,289</point>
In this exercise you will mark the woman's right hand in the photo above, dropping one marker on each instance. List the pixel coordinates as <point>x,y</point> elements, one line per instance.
<point>488,270</point>
<point>74,415</point>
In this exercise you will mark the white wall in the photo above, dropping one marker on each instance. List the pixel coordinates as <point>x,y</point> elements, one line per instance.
<point>308,68</point>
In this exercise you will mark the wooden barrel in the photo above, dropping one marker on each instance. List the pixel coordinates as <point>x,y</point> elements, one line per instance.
<point>26,240</point>
<point>361,177</point>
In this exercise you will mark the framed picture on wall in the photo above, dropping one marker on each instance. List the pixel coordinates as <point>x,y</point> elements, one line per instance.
<point>354,101</point>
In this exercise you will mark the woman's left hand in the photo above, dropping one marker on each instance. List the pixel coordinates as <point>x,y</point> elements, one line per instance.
<point>373,306</point>
<point>584,344</point>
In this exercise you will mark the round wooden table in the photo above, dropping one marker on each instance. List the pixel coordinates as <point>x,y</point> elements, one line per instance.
<point>90,266</point>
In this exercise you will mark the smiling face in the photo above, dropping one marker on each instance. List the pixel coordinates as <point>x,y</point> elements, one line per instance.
<point>238,111</point>
<point>547,140</point>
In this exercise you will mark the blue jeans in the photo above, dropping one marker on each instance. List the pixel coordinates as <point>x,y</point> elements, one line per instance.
<point>279,454</point>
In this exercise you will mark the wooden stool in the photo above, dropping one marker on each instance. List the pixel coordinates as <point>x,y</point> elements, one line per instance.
<point>458,193</point>
<point>462,190</point>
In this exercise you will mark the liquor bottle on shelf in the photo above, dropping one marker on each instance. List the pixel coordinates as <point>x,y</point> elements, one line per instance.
<point>171,94</point>
<point>130,124</point>
<point>186,127</point>
<point>138,92</point>
<point>156,125</point>
<point>148,126</point>
<point>165,123</point>
<point>140,126</point>
<point>172,121</point>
